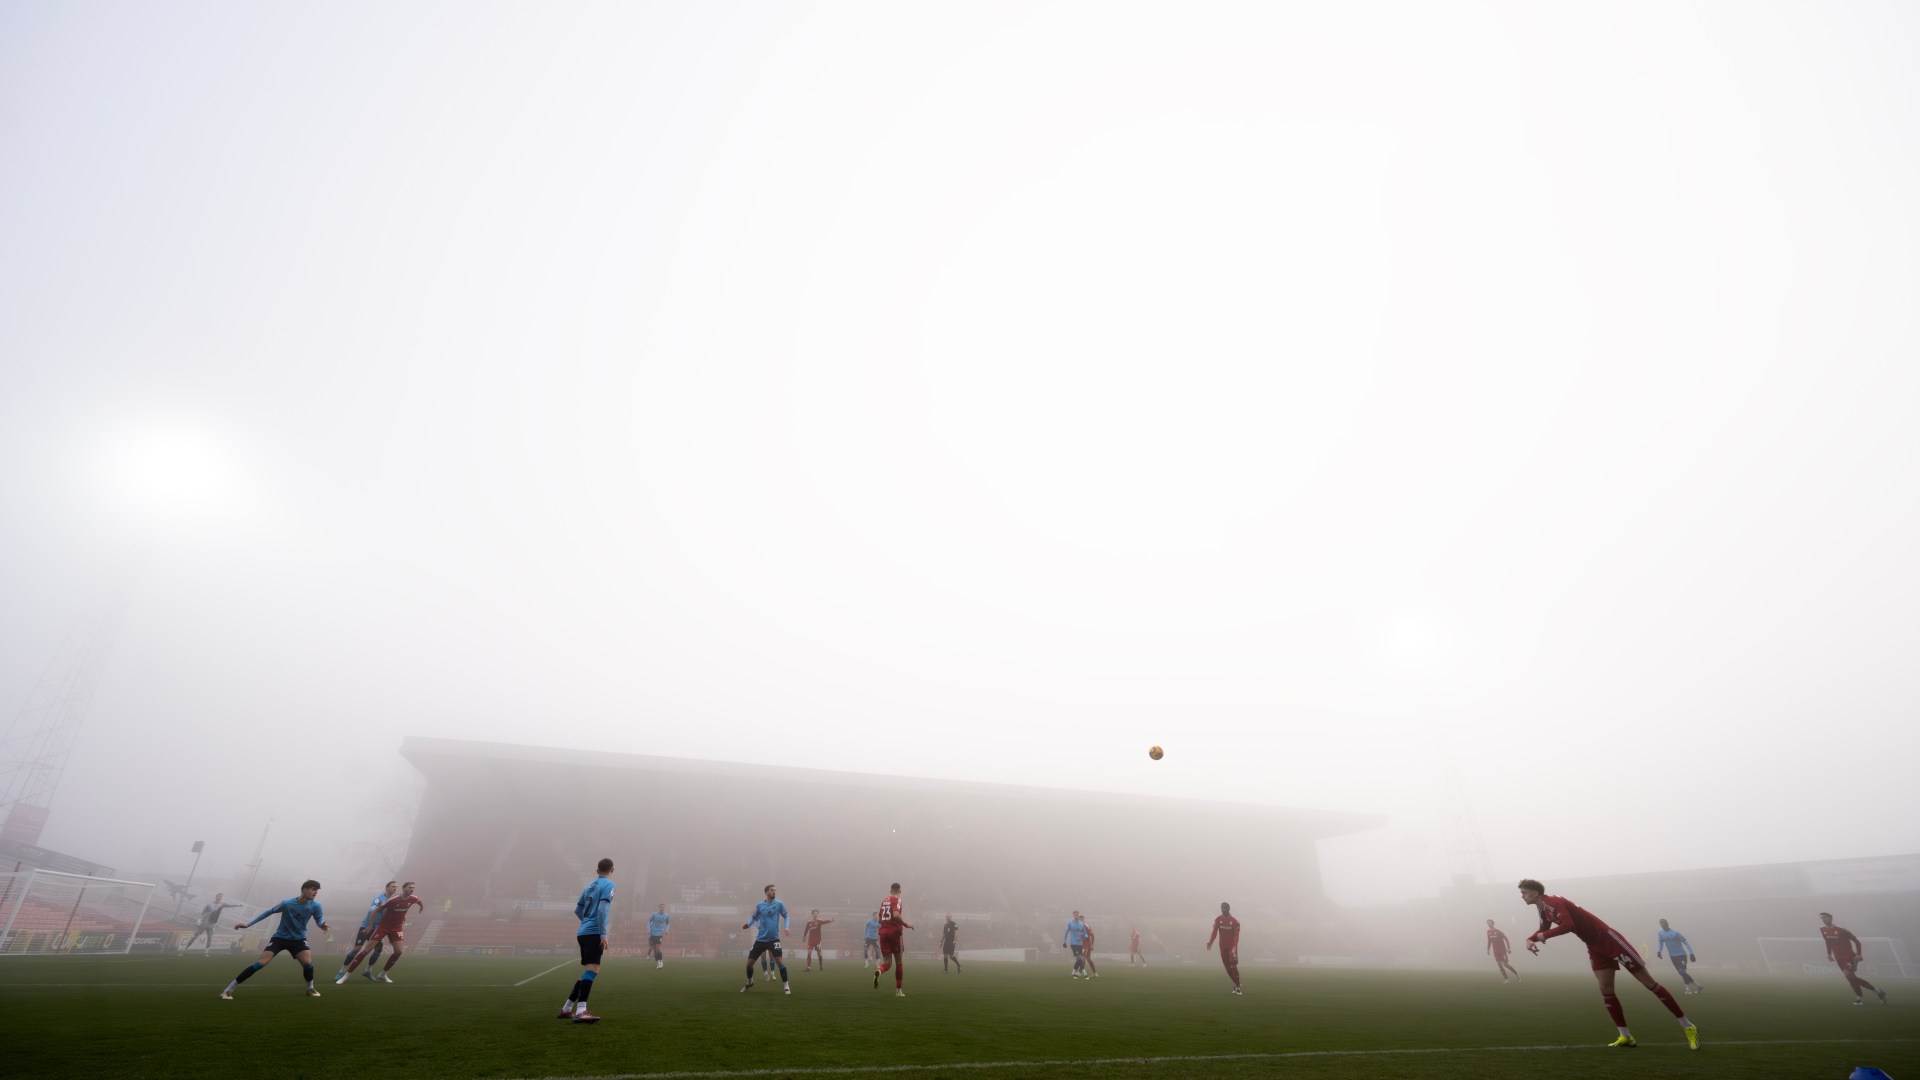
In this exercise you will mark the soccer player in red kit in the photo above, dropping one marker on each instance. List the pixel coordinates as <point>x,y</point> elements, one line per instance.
<point>813,940</point>
<point>391,919</point>
<point>1086,953</point>
<point>1227,929</point>
<point>1135,947</point>
<point>1607,951</point>
<point>893,952</point>
<point>1844,949</point>
<point>1498,945</point>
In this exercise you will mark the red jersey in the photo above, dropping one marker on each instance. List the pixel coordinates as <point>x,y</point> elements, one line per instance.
<point>893,915</point>
<point>1841,944</point>
<point>1136,941</point>
<point>1558,915</point>
<point>1497,941</point>
<point>1227,929</point>
<point>393,913</point>
<point>813,930</point>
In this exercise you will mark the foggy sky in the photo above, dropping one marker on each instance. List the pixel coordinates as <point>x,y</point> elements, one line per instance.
<point>1371,404</point>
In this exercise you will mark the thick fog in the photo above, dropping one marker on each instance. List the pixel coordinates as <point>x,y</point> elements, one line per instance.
<point>1497,418</point>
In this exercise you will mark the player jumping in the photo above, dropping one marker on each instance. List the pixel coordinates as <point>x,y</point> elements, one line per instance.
<point>1607,951</point>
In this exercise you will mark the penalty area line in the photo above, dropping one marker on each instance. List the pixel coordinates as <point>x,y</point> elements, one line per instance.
<point>549,971</point>
<point>1170,1059</point>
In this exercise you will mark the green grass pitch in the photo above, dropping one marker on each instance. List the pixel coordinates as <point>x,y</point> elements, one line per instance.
<point>161,1016</point>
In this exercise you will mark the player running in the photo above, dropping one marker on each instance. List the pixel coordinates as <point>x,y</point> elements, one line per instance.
<point>1679,950</point>
<point>1227,929</point>
<point>949,944</point>
<point>1075,938</point>
<point>391,922</point>
<point>365,929</point>
<point>870,945</point>
<point>289,937</point>
<point>1607,951</point>
<point>770,919</point>
<point>1501,948</point>
<point>893,952</point>
<point>209,921</point>
<point>657,924</point>
<point>591,910</point>
<point>1133,949</point>
<point>1844,949</point>
<point>813,940</point>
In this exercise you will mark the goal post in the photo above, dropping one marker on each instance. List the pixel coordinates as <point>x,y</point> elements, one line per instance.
<point>1808,956</point>
<point>46,912</point>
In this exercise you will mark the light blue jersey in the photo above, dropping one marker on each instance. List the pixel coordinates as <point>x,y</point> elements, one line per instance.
<point>373,911</point>
<point>1673,943</point>
<point>592,906</point>
<point>769,917</point>
<point>294,913</point>
<point>1076,933</point>
<point>657,924</point>
<point>873,929</point>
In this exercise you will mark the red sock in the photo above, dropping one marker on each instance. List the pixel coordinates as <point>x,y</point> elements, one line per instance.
<point>900,974</point>
<point>1614,1010</point>
<point>1667,1000</point>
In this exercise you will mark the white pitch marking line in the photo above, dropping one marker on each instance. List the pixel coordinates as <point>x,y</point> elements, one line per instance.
<point>857,1070</point>
<point>549,971</point>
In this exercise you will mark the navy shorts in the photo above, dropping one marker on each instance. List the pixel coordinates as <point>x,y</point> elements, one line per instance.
<point>766,947</point>
<point>592,948</point>
<point>288,945</point>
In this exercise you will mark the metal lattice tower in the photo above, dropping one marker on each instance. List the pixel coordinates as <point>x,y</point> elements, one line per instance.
<point>34,752</point>
<point>1466,850</point>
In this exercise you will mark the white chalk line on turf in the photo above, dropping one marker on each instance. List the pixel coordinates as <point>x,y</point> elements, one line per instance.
<point>549,971</point>
<point>1171,1059</point>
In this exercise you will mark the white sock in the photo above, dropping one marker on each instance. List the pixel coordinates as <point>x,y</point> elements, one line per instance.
<point>231,987</point>
<point>1627,1033</point>
<point>1685,1023</point>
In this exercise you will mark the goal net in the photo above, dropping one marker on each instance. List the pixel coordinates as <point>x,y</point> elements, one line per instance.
<point>45,912</point>
<point>1808,956</point>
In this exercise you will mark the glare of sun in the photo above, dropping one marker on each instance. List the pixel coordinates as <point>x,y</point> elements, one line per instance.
<point>168,473</point>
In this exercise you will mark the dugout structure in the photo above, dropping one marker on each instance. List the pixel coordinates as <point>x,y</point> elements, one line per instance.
<point>514,831</point>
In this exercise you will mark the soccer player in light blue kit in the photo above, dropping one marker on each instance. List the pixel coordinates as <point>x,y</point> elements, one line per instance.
<point>289,937</point>
<point>870,948</point>
<point>657,924</point>
<point>1076,939</point>
<point>1679,950</point>
<point>591,909</point>
<point>770,921</point>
